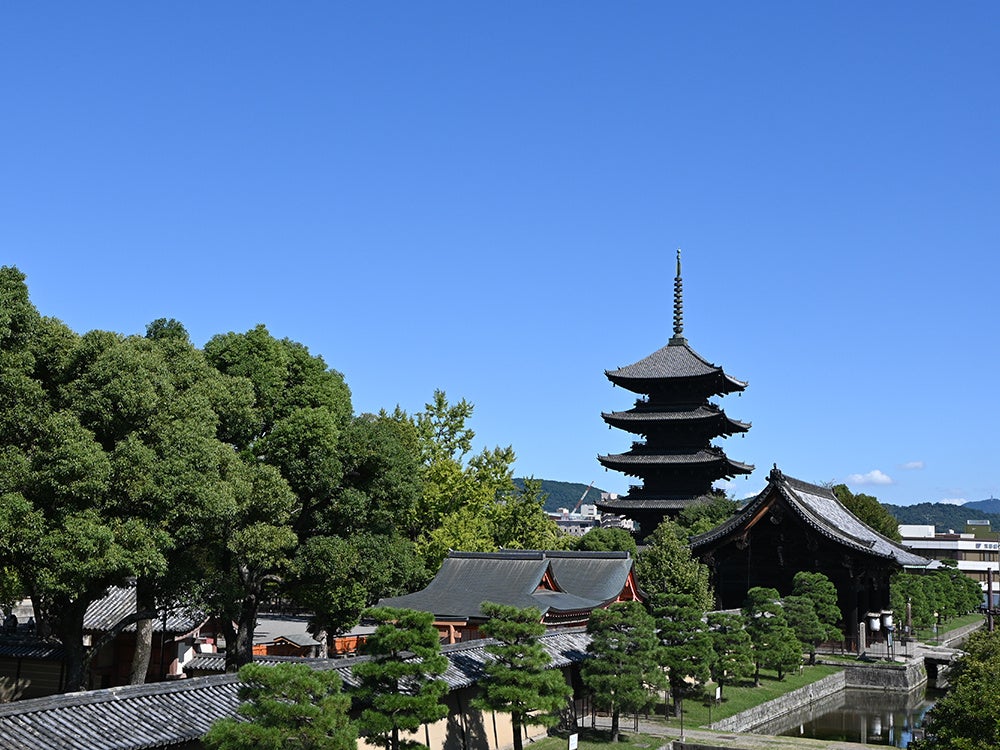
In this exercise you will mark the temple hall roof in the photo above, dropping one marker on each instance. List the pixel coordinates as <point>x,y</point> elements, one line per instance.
<point>819,508</point>
<point>583,580</point>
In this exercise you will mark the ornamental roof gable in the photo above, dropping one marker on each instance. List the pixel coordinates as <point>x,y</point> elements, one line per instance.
<point>552,581</point>
<point>815,506</point>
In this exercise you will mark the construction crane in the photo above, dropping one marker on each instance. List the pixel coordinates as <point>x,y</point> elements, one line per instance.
<point>580,501</point>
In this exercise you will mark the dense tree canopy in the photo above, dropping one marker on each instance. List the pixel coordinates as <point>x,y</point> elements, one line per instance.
<point>666,566</point>
<point>968,715</point>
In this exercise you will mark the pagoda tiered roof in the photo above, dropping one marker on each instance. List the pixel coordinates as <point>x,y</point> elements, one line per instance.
<point>676,360</point>
<point>634,460</point>
<point>645,417</point>
<point>676,462</point>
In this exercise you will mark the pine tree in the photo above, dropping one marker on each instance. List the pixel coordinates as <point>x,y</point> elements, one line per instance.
<point>823,594</point>
<point>774,643</point>
<point>624,667</point>
<point>399,689</point>
<point>733,660</point>
<point>686,648</point>
<point>801,615</point>
<point>287,705</point>
<point>517,679</point>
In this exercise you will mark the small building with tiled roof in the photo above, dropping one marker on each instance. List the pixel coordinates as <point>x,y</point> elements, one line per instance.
<point>565,586</point>
<point>794,525</point>
<point>676,460</point>
<point>176,714</point>
<point>178,634</point>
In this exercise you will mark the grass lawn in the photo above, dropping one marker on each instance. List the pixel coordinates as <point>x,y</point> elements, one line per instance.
<point>739,697</point>
<point>590,739</point>
<point>927,634</point>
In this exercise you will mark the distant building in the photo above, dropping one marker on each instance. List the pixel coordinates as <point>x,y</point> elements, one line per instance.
<point>675,459</point>
<point>975,549</point>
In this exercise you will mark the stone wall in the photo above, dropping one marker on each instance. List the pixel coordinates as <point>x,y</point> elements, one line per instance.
<point>744,722</point>
<point>896,678</point>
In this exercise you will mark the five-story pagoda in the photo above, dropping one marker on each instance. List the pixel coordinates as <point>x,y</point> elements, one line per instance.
<point>676,460</point>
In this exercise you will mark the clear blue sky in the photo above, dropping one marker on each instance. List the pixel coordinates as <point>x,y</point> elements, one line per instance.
<point>487,199</point>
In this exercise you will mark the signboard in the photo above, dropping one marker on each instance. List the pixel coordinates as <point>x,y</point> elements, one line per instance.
<point>573,740</point>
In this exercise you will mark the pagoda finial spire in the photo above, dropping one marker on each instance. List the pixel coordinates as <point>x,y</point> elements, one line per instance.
<point>678,304</point>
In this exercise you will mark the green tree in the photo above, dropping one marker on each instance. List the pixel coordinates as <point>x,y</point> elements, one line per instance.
<point>774,643</point>
<point>358,549</point>
<point>823,594</point>
<point>733,661</point>
<point>606,540</point>
<point>665,566</point>
<point>72,408</point>
<point>290,475</point>
<point>624,665</point>
<point>697,519</point>
<point>802,619</point>
<point>398,686</point>
<point>967,717</point>
<point>869,510</point>
<point>517,680</point>
<point>287,705</point>
<point>685,646</point>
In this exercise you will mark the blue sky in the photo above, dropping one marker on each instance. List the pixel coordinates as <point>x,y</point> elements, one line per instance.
<point>488,198</point>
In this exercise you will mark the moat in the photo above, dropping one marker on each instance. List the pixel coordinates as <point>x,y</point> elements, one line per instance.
<point>855,715</point>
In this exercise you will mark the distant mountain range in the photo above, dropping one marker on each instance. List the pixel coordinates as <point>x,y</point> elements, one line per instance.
<point>564,494</point>
<point>945,516</point>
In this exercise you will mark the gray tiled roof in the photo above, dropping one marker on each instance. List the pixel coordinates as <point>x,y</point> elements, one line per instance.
<point>701,412</point>
<point>166,714</point>
<point>467,579</point>
<point>821,509</point>
<point>675,360</point>
<point>671,457</point>
<point>119,603</point>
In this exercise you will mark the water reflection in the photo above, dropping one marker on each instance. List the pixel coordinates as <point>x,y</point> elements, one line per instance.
<point>866,716</point>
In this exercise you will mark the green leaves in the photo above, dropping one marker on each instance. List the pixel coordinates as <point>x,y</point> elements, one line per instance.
<point>399,687</point>
<point>518,680</point>
<point>666,567</point>
<point>287,705</point>
<point>624,667</point>
<point>968,715</point>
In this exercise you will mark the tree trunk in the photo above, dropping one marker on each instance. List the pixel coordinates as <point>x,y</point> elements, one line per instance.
<point>515,722</point>
<point>615,713</point>
<point>71,634</point>
<point>239,641</point>
<point>144,600</point>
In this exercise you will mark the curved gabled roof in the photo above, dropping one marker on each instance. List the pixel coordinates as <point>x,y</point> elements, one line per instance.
<point>675,360</point>
<point>583,580</point>
<point>641,419</point>
<point>628,462</point>
<point>819,508</point>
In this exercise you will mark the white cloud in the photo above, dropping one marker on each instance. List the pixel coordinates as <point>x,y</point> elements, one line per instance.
<point>954,501</point>
<point>872,477</point>
<point>912,465</point>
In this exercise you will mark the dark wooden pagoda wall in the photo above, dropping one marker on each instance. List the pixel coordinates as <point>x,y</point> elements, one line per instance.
<point>779,546</point>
